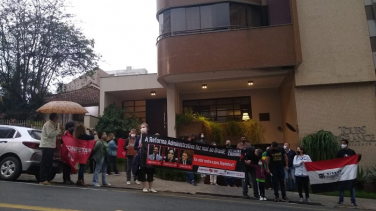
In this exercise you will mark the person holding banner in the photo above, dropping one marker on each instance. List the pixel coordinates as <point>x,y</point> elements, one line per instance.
<point>69,128</point>
<point>131,153</point>
<point>345,151</point>
<point>146,172</point>
<point>80,133</point>
<point>100,153</point>
<point>301,175</point>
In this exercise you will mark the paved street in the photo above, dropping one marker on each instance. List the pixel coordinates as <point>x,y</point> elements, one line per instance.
<point>32,196</point>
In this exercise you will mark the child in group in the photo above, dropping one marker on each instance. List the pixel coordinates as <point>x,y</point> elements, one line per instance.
<point>260,175</point>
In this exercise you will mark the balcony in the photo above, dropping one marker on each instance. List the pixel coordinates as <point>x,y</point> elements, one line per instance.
<point>228,49</point>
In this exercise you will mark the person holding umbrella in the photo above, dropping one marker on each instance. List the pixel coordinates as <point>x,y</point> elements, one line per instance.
<point>51,129</point>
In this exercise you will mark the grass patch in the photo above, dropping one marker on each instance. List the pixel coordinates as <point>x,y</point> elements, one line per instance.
<point>358,194</point>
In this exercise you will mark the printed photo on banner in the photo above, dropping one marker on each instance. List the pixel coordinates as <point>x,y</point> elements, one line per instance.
<point>185,161</point>
<point>154,155</point>
<point>170,157</point>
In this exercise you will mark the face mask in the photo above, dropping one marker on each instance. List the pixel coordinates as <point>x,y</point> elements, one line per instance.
<point>343,146</point>
<point>260,163</point>
<point>298,152</point>
<point>143,130</point>
<point>202,136</point>
<point>133,135</point>
<point>284,147</point>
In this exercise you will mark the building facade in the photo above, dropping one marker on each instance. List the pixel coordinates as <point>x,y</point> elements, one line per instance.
<point>305,65</point>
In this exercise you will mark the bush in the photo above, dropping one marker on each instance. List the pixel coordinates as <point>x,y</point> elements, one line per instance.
<point>322,145</point>
<point>361,178</point>
<point>173,175</point>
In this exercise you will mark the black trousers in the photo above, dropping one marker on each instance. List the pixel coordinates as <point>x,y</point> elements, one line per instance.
<point>46,164</point>
<point>261,187</point>
<point>302,182</point>
<point>66,172</point>
<point>279,181</point>
<point>143,172</point>
<point>112,163</point>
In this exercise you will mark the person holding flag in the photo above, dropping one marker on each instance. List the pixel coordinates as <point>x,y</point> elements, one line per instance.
<point>69,128</point>
<point>345,151</point>
<point>80,133</point>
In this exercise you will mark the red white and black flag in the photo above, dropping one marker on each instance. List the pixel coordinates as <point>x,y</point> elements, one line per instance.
<point>333,175</point>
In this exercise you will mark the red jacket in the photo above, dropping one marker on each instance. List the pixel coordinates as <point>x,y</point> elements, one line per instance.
<point>260,170</point>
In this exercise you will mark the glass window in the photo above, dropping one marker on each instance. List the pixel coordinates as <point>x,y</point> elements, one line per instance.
<point>7,132</point>
<point>178,20</point>
<point>160,20</point>
<point>136,108</point>
<point>193,18</point>
<point>166,22</point>
<point>221,15</point>
<point>35,134</point>
<point>238,15</point>
<point>206,15</point>
<point>220,109</point>
<point>369,12</point>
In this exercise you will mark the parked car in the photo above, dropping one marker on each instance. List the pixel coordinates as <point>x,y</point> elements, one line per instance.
<point>20,153</point>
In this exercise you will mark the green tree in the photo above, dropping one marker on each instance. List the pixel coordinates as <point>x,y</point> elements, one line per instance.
<point>115,121</point>
<point>38,45</point>
<point>322,145</point>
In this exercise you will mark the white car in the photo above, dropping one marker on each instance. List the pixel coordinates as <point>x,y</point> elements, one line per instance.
<point>20,153</point>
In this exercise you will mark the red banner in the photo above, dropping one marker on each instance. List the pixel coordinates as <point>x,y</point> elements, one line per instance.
<point>75,151</point>
<point>121,153</point>
<point>201,160</point>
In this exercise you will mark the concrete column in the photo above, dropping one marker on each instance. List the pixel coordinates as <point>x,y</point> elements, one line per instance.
<point>172,98</point>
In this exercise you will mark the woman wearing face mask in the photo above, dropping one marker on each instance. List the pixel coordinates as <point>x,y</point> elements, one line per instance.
<point>146,172</point>
<point>131,153</point>
<point>302,179</point>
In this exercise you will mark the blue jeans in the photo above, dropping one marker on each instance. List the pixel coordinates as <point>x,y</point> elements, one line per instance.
<point>100,166</point>
<point>291,184</point>
<point>352,195</point>
<point>190,177</point>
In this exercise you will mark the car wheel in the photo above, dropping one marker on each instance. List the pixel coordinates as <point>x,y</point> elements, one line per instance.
<point>10,168</point>
<point>37,176</point>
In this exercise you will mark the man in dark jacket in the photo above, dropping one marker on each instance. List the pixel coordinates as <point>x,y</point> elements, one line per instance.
<point>250,157</point>
<point>69,128</point>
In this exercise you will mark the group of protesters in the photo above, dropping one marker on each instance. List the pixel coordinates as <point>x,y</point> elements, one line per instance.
<point>276,165</point>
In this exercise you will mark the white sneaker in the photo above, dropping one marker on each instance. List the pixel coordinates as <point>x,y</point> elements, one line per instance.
<point>145,190</point>
<point>137,182</point>
<point>261,199</point>
<point>152,190</point>
<point>265,199</point>
<point>96,185</point>
<point>128,182</point>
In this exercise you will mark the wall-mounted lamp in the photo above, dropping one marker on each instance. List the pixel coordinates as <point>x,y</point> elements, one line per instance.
<point>250,83</point>
<point>245,117</point>
<point>204,86</point>
<point>152,93</point>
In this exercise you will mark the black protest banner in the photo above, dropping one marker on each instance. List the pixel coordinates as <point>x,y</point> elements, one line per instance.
<point>190,156</point>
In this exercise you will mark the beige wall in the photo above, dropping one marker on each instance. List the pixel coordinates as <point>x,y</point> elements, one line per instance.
<point>335,42</point>
<point>288,107</point>
<point>262,100</point>
<point>123,83</point>
<point>332,106</point>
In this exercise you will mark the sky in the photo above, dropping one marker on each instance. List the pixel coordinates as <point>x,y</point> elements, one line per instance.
<point>125,31</point>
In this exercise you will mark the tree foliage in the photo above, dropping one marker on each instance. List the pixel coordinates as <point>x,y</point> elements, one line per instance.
<point>113,120</point>
<point>38,45</point>
<point>322,145</point>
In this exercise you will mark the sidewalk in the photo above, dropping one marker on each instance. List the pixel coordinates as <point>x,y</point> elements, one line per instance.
<point>212,190</point>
